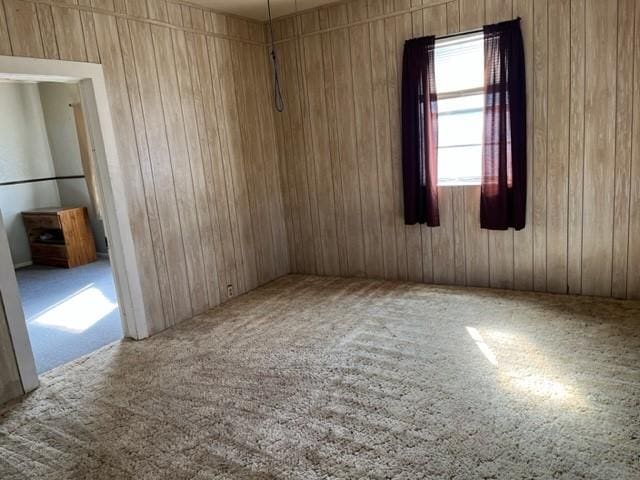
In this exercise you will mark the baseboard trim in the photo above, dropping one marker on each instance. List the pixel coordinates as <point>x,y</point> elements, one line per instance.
<point>22,265</point>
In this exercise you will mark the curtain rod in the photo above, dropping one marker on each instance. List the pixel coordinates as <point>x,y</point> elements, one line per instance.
<point>470,32</point>
<point>458,34</point>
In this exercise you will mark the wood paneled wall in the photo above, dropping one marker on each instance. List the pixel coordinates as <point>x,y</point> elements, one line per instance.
<point>340,152</point>
<point>196,137</point>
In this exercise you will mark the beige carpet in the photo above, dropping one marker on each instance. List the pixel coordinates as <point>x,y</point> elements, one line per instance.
<point>329,378</point>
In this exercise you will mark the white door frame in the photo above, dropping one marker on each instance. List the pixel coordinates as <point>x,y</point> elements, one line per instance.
<point>14,314</point>
<point>95,104</point>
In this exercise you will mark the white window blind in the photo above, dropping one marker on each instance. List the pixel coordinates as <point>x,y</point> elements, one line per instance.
<point>459,71</point>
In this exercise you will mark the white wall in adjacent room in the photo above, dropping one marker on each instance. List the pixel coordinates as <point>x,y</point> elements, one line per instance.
<point>24,155</point>
<point>24,145</point>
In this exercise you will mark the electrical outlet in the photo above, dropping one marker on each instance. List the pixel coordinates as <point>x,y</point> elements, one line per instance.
<point>229,290</point>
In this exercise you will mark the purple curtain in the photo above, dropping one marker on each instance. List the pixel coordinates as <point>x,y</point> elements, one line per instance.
<point>419,133</point>
<point>504,154</point>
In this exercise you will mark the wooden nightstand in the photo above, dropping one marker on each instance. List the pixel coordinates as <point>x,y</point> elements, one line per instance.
<point>59,236</point>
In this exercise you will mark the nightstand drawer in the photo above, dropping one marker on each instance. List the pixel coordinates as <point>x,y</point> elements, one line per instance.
<point>52,262</point>
<point>49,250</point>
<point>41,221</point>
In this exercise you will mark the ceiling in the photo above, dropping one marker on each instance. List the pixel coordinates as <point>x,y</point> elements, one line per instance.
<point>257,9</point>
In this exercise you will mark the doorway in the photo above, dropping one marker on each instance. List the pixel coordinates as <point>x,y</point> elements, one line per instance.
<point>53,221</point>
<point>94,298</point>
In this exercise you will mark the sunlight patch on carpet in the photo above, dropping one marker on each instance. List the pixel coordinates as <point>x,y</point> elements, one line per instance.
<point>77,313</point>
<point>524,375</point>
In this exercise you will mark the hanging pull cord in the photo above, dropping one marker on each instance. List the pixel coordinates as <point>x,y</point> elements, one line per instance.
<point>278,101</point>
<point>277,92</point>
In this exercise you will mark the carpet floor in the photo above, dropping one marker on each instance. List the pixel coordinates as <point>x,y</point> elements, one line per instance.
<point>69,312</point>
<point>312,378</point>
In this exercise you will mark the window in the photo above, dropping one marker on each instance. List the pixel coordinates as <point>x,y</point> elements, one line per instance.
<point>459,72</point>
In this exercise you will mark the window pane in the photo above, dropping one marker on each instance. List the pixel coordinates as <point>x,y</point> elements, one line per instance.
<point>455,104</point>
<point>460,129</point>
<point>459,165</point>
<point>459,63</point>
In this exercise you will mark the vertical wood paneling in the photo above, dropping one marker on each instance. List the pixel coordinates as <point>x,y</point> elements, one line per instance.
<point>152,107</point>
<point>119,6</point>
<point>272,178</point>
<point>247,186</point>
<point>332,119</point>
<point>108,5</point>
<point>231,90</point>
<point>305,186</point>
<point>5,42</point>
<point>394,69</point>
<point>471,14</point>
<point>69,34</point>
<point>157,10</point>
<point>633,275</point>
<point>624,119</point>
<point>599,160</point>
<point>198,176</point>
<point>212,182</point>
<point>107,41</point>
<point>321,152</point>
<point>136,8</point>
<point>146,173</point>
<point>256,171</point>
<point>357,10</point>
<point>47,31</point>
<point>366,153</point>
<point>576,146</point>
<point>347,145</point>
<point>540,129</point>
<point>23,27</point>
<point>285,155</point>
<point>383,142</point>
<point>220,24</point>
<point>296,194</point>
<point>222,194</point>
<point>558,144</point>
<point>308,164</point>
<point>564,166</point>
<point>89,35</point>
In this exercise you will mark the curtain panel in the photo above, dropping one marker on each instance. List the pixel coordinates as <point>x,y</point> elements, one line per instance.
<point>420,133</point>
<point>504,153</point>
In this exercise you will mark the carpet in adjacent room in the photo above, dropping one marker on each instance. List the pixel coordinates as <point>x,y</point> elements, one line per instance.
<point>69,311</point>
